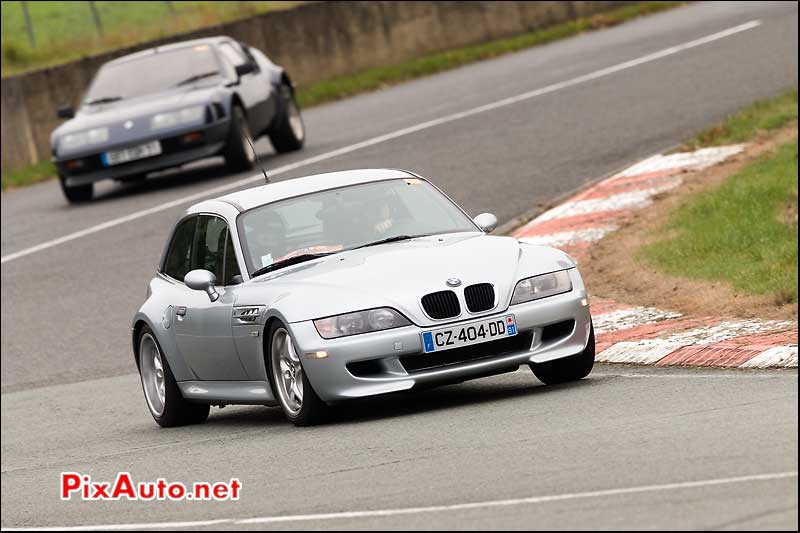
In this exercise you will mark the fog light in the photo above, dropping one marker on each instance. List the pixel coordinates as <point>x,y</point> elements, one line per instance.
<point>75,164</point>
<point>316,355</point>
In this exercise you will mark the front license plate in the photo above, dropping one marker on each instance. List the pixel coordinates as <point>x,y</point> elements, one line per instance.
<point>116,157</point>
<point>465,334</point>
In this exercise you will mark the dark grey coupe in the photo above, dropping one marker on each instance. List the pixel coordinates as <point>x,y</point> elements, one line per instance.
<point>171,105</point>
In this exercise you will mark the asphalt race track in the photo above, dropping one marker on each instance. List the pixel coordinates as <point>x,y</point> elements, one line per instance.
<point>627,447</point>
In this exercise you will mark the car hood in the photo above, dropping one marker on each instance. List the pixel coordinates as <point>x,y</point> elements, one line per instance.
<point>397,275</point>
<point>138,110</point>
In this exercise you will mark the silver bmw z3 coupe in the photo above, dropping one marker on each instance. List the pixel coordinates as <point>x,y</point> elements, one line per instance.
<point>338,286</point>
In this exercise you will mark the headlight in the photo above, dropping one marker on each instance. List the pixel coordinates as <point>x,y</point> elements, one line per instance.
<point>76,140</point>
<point>359,322</point>
<point>176,118</point>
<point>541,287</point>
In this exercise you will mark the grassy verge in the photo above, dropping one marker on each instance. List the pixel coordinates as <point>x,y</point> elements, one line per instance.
<point>370,80</point>
<point>380,77</point>
<point>28,175</point>
<point>765,115</point>
<point>745,231</point>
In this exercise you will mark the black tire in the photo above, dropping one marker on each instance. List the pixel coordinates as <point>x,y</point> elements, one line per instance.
<point>239,157</point>
<point>568,368</point>
<point>77,193</point>
<point>313,410</point>
<point>176,410</point>
<point>288,132</point>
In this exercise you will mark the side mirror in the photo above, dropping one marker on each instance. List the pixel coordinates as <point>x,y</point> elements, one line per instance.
<point>202,280</point>
<point>245,68</point>
<point>66,112</point>
<point>486,221</point>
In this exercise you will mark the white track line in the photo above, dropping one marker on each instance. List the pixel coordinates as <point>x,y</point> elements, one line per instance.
<point>388,137</point>
<point>382,513</point>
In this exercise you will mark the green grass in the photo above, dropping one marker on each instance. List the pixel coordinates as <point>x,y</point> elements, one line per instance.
<point>376,78</point>
<point>28,175</point>
<point>742,126</point>
<point>380,77</point>
<point>66,30</point>
<point>744,232</point>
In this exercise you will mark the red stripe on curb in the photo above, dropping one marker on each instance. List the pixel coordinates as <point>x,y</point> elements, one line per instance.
<point>725,354</point>
<point>653,330</point>
<point>571,223</point>
<point>631,184</point>
<point>617,180</point>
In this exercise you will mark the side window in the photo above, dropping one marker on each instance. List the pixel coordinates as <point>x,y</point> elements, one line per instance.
<point>231,265</point>
<point>208,251</point>
<point>179,257</point>
<point>213,250</point>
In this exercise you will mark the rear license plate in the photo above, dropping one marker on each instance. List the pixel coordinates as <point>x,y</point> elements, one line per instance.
<point>465,334</point>
<point>116,157</point>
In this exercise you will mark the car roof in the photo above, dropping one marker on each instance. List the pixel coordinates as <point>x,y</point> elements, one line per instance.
<point>169,47</point>
<point>265,194</point>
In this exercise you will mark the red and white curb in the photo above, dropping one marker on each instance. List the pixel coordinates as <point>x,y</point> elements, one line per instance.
<point>628,334</point>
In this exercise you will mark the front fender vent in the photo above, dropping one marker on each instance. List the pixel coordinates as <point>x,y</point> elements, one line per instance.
<point>247,315</point>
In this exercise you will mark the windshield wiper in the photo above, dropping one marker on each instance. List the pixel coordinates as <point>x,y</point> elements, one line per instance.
<point>104,100</point>
<point>302,258</point>
<point>387,240</point>
<point>196,77</point>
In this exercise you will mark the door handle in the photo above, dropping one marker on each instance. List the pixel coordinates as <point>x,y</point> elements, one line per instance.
<point>180,312</point>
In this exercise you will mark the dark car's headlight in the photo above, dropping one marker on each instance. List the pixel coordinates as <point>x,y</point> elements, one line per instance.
<point>359,322</point>
<point>187,115</point>
<point>83,138</point>
<point>542,286</point>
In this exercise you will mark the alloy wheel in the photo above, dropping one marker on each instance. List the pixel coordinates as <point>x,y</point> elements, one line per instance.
<point>151,369</point>
<point>287,371</point>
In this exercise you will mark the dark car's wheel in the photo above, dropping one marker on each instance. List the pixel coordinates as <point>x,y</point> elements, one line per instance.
<point>239,156</point>
<point>288,133</point>
<point>291,387</point>
<point>568,368</point>
<point>161,392</point>
<point>76,193</point>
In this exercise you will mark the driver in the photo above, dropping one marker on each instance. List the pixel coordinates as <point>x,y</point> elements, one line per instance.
<point>267,239</point>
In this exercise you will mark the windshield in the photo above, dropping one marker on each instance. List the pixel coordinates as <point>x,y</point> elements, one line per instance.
<point>346,218</point>
<point>152,73</point>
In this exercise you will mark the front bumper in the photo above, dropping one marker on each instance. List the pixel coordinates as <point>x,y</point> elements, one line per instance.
<point>174,154</point>
<point>333,380</point>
